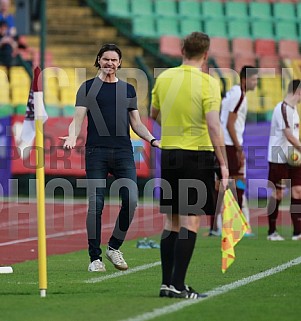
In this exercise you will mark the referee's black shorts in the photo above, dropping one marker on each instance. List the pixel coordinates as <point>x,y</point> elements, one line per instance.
<point>187,182</point>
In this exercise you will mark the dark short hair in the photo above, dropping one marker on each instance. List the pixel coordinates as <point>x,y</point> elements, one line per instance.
<point>103,49</point>
<point>248,71</point>
<point>3,23</point>
<point>293,86</point>
<point>195,44</point>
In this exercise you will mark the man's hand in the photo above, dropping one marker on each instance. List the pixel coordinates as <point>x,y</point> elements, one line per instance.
<point>225,176</point>
<point>240,156</point>
<point>156,143</point>
<point>70,141</point>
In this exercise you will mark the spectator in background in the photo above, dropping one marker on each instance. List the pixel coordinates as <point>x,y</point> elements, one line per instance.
<point>7,17</point>
<point>7,46</point>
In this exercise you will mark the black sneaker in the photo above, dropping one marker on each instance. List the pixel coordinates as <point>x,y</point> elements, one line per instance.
<point>187,293</point>
<point>164,291</point>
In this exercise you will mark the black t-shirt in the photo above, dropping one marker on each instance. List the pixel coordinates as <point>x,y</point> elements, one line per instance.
<point>108,107</point>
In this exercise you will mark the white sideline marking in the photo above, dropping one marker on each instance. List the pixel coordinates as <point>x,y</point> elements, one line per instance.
<point>212,293</point>
<point>121,273</point>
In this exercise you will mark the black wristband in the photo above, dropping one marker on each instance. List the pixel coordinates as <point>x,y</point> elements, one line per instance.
<point>151,142</point>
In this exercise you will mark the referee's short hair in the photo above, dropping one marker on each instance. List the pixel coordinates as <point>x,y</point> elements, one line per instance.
<point>195,44</point>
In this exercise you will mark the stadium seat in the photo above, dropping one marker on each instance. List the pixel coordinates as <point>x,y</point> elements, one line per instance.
<point>288,49</point>
<point>262,29</point>
<point>236,10</point>
<point>298,11</point>
<point>165,8</point>
<point>286,30</point>
<point>265,47</point>
<point>215,28</point>
<point>68,111</point>
<point>243,47</point>
<point>141,8</point>
<point>167,26</point>
<point>170,45</point>
<point>220,51</point>
<point>239,29</point>
<point>284,11</point>
<point>240,61</point>
<point>144,26</point>
<point>4,85</point>
<point>243,53</point>
<point>269,63</point>
<point>118,8</point>
<point>53,111</point>
<point>189,8</point>
<point>189,25</point>
<point>212,9</point>
<point>260,10</point>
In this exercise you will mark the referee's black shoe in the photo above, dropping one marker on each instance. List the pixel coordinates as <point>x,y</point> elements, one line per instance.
<point>187,293</point>
<point>164,291</point>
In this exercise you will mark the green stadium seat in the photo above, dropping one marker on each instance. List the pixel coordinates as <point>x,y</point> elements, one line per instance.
<point>298,11</point>
<point>144,26</point>
<point>5,110</point>
<point>118,8</point>
<point>286,30</point>
<point>53,111</point>
<point>236,10</point>
<point>260,10</point>
<point>189,8</point>
<point>141,8</point>
<point>68,111</point>
<point>167,26</point>
<point>165,8</point>
<point>189,25</point>
<point>215,28</point>
<point>284,11</point>
<point>20,109</point>
<point>239,29</point>
<point>212,9</point>
<point>262,29</point>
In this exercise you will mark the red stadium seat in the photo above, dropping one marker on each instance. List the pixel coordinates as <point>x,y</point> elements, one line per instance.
<point>170,45</point>
<point>265,47</point>
<point>243,53</point>
<point>240,61</point>
<point>269,62</point>
<point>243,47</point>
<point>220,51</point>
<point>288,49</point>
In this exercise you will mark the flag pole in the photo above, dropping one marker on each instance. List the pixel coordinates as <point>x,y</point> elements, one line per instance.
<point>40,181</point>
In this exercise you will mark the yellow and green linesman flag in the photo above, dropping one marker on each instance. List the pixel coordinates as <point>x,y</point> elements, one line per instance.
<point>234,228</point>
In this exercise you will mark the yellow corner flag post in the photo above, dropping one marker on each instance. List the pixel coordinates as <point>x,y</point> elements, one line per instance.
<point>39,112</point>
<point>233,229</point>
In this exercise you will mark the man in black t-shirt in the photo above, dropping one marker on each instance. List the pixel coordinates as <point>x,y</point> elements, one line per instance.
<point>110,105</point>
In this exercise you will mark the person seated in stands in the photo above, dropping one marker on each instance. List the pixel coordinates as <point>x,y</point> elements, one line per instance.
<point>7,46</point>
<point>7,17</point>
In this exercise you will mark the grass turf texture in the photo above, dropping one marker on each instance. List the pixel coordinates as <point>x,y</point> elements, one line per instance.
<point>276,297</point>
